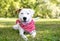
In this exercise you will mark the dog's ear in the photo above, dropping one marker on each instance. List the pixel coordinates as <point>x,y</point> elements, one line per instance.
<point>17,11</point>
<point>32,11</point>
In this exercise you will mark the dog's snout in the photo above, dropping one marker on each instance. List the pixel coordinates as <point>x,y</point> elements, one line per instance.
<point>24,18</point>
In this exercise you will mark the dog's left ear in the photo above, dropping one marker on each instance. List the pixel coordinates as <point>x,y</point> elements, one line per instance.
<point>32,11</point>
<point>18,10</point>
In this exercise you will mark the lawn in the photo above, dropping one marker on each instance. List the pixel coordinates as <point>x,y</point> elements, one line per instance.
<point>47,30</point>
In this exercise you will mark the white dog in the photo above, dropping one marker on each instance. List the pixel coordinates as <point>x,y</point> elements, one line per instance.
<point>25,23</point>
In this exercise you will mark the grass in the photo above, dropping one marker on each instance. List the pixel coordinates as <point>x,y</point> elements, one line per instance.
<point>47,30</point>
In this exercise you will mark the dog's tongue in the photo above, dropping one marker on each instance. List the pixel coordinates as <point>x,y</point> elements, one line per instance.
<point>24,23</point>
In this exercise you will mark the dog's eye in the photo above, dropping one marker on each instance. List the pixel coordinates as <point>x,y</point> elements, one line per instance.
<point>21,13</point>
<point>27,13</point>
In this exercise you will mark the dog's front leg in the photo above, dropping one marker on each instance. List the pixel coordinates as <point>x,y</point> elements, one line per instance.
<point>16,26</point>
<point>33,34</point>
<point>21,32</point>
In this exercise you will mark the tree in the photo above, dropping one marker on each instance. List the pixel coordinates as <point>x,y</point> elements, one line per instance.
<point>43,8</point>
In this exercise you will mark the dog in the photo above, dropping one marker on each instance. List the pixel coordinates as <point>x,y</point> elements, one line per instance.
<point>25,23</point>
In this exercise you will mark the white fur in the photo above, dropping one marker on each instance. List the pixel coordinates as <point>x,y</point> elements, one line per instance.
<point>29,18</point>
<point>25,11</point>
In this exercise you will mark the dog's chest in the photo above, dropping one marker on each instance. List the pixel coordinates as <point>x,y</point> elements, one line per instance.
<point>29,27</point>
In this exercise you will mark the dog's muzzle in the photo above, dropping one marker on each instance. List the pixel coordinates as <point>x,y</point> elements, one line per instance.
<point>24,19</point>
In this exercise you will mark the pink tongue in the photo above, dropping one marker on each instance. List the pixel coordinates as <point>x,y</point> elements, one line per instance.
<point>24,23</point>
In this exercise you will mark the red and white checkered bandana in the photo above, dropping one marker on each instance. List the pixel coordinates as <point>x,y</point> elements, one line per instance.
<point>29,27</point>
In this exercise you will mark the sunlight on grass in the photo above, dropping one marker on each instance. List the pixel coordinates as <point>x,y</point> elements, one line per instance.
<point>47,20</point>
<point>8,19</point>
<point>45,31</point>
<point>14,19</point>
<point>3,26</point>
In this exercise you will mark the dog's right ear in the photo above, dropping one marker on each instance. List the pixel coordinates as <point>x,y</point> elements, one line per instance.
<point>17,11</point>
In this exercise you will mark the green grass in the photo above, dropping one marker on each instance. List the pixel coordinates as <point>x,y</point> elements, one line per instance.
<point>46,31</point>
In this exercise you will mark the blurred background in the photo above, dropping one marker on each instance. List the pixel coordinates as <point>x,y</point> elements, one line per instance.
<point>47,19</point>
<point>43,8</point>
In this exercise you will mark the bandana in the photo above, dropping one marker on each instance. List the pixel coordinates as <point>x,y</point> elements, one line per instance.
<point>29,27</point>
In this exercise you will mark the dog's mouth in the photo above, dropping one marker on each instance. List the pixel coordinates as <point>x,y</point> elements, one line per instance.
<point>24,22</point>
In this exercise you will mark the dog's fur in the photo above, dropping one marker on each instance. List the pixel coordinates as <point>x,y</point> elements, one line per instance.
<point>28,13</point>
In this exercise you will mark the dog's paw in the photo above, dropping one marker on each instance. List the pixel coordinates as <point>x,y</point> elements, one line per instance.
<point>15,27</point>
<point>26,39</point>
<point>33,34</point>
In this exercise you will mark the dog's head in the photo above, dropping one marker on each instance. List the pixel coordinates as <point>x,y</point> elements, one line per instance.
<point>25,15</point>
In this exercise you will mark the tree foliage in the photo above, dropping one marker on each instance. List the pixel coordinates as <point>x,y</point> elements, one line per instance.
<point>43,8</point>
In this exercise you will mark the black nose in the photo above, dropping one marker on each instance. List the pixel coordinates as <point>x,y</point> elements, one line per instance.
<point>24,18</point>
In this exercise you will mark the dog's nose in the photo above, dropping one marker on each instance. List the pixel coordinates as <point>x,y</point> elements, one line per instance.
<point>24,18</point>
